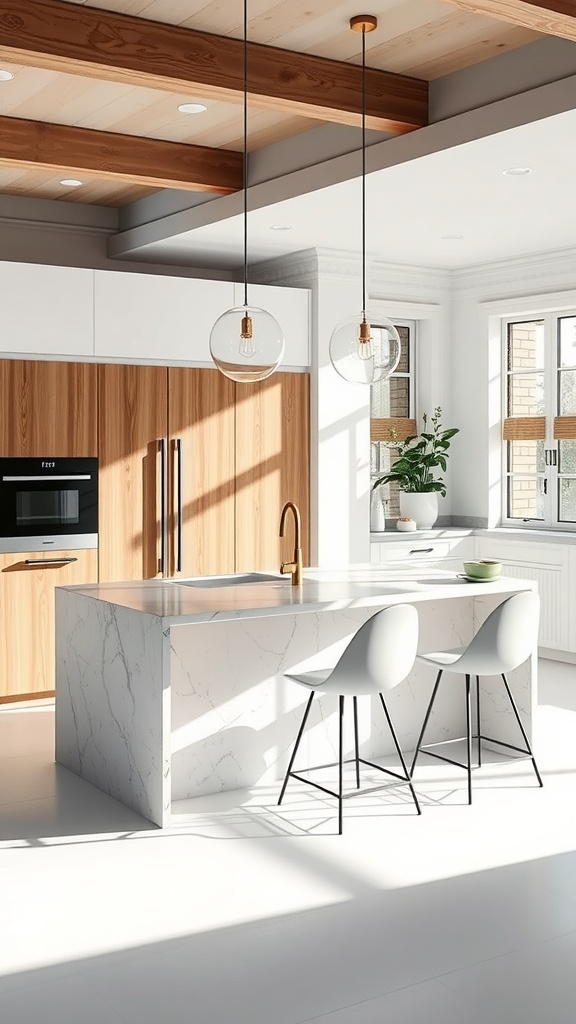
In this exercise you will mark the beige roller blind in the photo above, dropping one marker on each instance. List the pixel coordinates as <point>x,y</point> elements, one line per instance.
<point>524,428</point>
<point>382,429</point>
<point>564,428</point>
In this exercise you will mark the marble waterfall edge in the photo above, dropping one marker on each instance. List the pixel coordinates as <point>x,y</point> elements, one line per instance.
<point>112,707</point>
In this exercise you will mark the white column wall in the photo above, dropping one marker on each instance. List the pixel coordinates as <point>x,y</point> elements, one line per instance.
<point>340,411</point>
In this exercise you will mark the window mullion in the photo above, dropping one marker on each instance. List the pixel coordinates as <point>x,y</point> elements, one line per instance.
<point>551,410</point>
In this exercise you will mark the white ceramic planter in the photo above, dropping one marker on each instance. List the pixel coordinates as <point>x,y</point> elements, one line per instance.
<point>421,506</point>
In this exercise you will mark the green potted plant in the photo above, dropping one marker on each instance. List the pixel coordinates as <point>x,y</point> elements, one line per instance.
<point>413,470</point>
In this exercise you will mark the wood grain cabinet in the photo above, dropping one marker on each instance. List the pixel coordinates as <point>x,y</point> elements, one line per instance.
<point>166,461</point>
<point>47,409</point>
<point>272,467</point>
<point>27,582</point>
<point>132,421</point>
<point>201,444</point>
<point>194,470</point>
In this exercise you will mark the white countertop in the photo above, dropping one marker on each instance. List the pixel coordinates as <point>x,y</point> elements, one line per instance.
<point>514,533</point>
<point>355,586</point>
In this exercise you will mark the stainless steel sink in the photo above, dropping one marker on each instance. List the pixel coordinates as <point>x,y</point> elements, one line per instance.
<point>229,581</point>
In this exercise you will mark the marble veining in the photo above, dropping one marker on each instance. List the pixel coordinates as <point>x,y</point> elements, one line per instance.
<point>111,709</point>
<point>152,706</point>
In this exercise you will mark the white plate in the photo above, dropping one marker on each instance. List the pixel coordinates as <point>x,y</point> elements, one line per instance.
<point>478,579</point>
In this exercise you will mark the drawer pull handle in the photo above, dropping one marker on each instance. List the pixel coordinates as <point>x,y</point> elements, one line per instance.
<point>421,551</point>
<point>49,561</point>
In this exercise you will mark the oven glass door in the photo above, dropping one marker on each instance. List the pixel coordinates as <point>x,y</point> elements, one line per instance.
<point>47,509</point>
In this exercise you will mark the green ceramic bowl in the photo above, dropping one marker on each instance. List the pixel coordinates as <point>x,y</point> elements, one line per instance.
<point>483,569</point>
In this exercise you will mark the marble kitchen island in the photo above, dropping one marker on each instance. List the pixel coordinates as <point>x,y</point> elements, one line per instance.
<point>169,689</point>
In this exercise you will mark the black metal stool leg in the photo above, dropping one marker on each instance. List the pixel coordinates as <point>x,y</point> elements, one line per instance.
<point>400,754</point>
<point>478,721</point>
<point>355,699</point>
<point>522,730</point>
<point>340,771</point>
<point>426,717</point>
<point>469,737</point>
<point>296,745</point>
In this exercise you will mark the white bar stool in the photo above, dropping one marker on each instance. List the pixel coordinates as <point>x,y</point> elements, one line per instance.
<point>379,656</point>
<point>504,641</point>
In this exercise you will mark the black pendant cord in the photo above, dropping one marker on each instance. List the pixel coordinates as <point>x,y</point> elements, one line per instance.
<point>245,161</point>
<point>364,174</point>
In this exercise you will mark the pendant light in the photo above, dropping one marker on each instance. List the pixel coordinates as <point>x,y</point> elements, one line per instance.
<point>365,348</point>
<point>246,343</point>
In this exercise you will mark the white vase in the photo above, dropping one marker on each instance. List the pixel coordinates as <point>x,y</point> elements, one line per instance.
<point>421,506</point>
<point>377,514</point>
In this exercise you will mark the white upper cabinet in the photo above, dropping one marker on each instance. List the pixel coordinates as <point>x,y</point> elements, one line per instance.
<point>291,308</point>
<point>152,317</point>
<point>70,311</point>
<point>46,310</point>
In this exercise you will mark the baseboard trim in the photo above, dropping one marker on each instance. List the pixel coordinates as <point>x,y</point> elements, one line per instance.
<point>549,652</point>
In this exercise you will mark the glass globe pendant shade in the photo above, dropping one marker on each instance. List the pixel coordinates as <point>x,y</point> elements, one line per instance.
<point>246,344</point>
<point>365,349</point>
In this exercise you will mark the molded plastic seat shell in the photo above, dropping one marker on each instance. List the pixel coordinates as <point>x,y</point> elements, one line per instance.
<point>504,640</point>
<point>378,658</point>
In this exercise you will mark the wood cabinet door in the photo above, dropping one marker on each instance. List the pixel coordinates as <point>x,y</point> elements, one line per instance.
<point>201,491</point>
<point>132,431</point>
<point>272,467</point>
<point>27,582</point>
<point>48,409</point>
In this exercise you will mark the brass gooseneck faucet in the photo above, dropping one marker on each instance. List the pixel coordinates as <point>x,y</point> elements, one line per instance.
<point>294,567</point>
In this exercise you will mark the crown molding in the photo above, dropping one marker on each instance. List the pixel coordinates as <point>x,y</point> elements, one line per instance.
<point>539,271</point>
<point>296,269</point>
<point>385,280</point>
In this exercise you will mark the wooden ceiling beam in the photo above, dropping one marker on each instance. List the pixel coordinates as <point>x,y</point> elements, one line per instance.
<point>551,17</point>
<point>114,157</point>
<point>87,41</point>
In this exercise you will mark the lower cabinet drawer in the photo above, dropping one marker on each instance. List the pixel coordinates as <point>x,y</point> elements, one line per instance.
<point>422,550</point>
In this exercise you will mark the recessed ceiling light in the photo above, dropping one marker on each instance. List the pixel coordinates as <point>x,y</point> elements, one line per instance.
<point>71,182</point>
<point>192,108</point>
<point>280,227</point>
<point>517,172</point>
<point>6,76</point>
<point>452,236</point>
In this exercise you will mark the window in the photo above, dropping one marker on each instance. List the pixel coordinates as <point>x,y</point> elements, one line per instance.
<point>392,408</point>
<point>540,421</point>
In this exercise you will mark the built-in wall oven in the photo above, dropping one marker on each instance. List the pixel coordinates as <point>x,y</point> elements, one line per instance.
<point>48,503</point>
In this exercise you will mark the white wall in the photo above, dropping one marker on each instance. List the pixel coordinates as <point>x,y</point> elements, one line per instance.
<point>481,296</point>
<point>340,412</point>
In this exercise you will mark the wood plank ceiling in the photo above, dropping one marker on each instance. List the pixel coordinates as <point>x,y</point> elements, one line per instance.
<point>113,72</point>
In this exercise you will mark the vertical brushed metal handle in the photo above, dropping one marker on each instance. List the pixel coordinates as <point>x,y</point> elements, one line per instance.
<point>179,501</point>
<point>163,524</point>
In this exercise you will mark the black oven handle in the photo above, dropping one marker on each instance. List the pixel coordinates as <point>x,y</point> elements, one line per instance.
<point>47,477</point>
<point>49,561</point>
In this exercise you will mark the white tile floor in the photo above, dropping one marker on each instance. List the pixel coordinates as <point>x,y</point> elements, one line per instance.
<point>236,915</point>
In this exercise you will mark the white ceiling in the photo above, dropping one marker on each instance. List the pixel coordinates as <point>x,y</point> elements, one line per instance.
<point>410,207</point>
